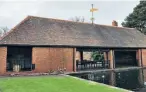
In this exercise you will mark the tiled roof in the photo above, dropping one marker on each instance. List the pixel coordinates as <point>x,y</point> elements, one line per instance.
<point>38,31</point>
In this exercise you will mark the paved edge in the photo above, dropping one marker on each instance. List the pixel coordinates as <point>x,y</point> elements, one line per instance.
<point>98,83</point>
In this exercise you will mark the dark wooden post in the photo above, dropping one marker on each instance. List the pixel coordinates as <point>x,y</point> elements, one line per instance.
<point>74,59</point>
<point>107,55</point>
<point>107,60</point>
<point>81,54</point>
<point>113,59</point>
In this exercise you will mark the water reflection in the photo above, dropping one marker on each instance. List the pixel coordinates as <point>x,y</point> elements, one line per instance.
<point>127,79</point>
<point>131,79</point>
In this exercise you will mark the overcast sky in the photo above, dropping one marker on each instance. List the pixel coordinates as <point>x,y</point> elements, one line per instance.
<point>12,12</point>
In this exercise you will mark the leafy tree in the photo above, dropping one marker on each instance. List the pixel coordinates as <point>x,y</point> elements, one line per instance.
<point>97,56</point>
<point>137,19</point>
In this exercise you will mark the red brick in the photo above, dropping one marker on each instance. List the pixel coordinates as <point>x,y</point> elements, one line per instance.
<point>3,57</point>
<point>46,59</point>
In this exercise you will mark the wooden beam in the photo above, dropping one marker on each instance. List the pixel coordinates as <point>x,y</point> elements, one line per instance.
<point>125,49</point>
<point>92,49</point>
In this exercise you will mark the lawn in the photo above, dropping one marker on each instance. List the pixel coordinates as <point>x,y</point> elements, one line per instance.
<point>51,84</point>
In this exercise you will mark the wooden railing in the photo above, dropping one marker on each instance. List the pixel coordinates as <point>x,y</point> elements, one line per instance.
<point>92,65</point>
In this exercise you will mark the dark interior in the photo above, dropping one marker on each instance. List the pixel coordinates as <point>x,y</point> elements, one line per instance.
<point>20,57</point>
<point>125,58</point>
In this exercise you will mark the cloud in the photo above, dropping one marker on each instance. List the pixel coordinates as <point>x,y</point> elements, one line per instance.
<point>12,12</point>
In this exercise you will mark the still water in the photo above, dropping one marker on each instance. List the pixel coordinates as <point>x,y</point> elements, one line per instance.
<point>133,79</point>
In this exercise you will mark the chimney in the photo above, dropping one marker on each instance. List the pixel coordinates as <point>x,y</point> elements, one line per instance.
<point>114,23</point>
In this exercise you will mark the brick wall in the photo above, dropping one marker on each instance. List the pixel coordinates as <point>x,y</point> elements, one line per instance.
<point>3,57</point>
<point>51,59</point>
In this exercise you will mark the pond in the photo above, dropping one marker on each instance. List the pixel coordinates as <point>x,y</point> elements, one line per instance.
<point>131,79</point>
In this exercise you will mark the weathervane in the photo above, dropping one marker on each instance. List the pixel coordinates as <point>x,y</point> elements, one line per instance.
<point>93,10</point>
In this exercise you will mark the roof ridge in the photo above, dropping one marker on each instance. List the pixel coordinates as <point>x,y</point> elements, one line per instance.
<point>79,22</point>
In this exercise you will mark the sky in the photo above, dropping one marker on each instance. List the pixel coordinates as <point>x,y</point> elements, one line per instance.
<point>14,11</point>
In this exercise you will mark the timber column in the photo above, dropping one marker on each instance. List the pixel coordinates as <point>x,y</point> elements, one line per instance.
<point>112,66</point>
<point>143,56</point>
<point>111,58</point>
<point>139,57</point>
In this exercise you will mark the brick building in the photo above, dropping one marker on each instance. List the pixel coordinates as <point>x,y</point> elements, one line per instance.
<point>42,44</point>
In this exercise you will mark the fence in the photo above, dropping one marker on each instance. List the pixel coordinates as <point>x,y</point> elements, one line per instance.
<point>19,65</point>
<point>87,65</point>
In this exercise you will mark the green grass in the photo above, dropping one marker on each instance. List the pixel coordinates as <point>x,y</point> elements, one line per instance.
<point>51,84</point>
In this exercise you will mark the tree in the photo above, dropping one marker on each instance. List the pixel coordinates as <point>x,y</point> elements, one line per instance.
<point>137,19</point>
<point>97,56</point>
<point>78,19</point>
<point>3,31</point>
